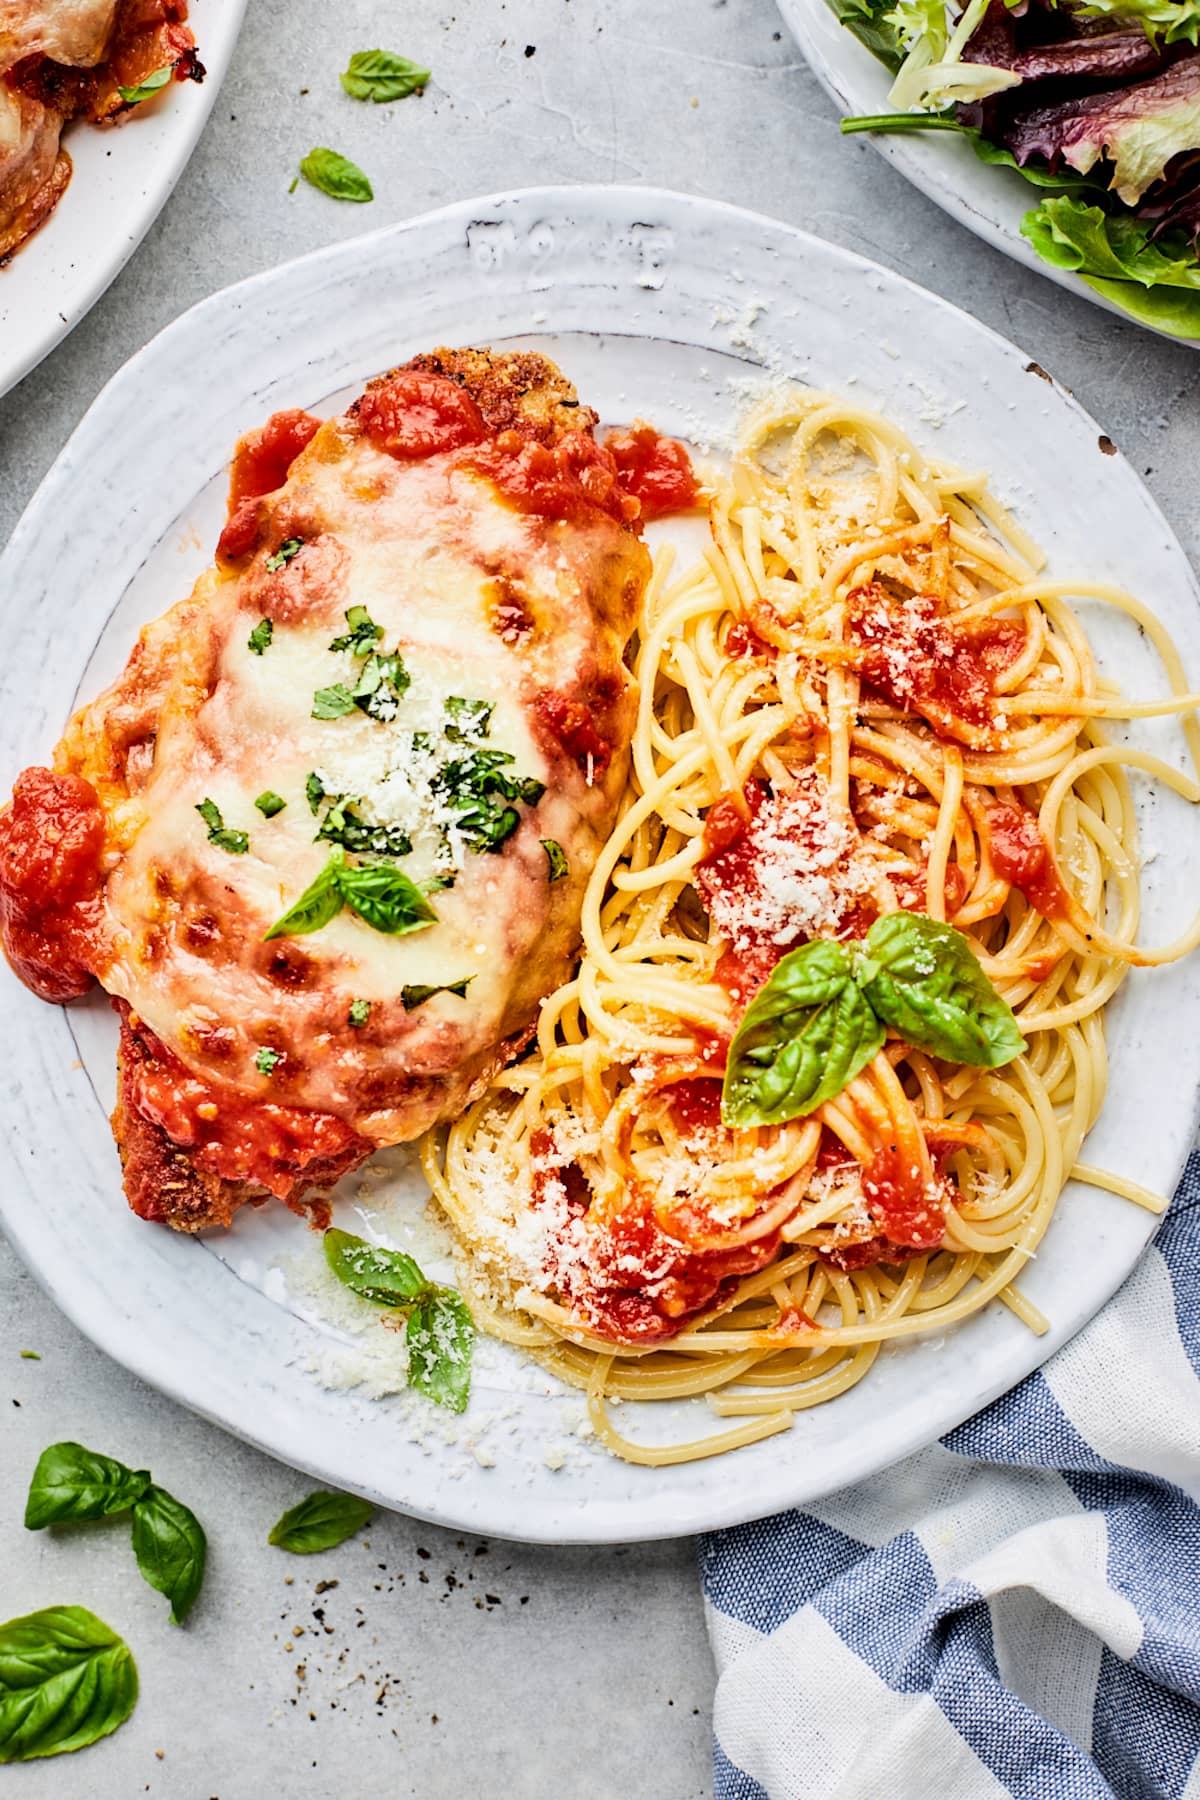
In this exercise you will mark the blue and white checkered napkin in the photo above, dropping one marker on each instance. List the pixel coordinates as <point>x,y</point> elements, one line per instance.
<point>1012,1612</point>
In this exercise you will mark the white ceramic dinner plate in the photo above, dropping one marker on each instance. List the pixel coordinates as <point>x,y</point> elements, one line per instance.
<point>656,304</point>
<point>122,177</point>
<point>989,201</point>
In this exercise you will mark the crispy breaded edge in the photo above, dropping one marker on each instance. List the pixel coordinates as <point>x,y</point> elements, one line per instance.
<point>515,390</point>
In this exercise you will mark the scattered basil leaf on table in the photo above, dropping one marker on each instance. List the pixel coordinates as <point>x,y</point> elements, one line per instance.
<point>145,90</point>
<point>66,1680</point>
<point>31,1356</point>
<point>440,1337</point>
<point>556,856</point>
<point>381,75</point>
<point>806,1033</point>
<point>417,993</point>
<point>440,1332</point>
<point>261,636</point>
<point>321,1521</point>
<point>73,1483</point>
<point>335,175</point>
<point>171,1548</point>
<point>923,979</point>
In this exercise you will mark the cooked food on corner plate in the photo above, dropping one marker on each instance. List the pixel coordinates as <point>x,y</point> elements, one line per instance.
<point>65,59</point>
<point>1095,102</point>
<point>736,941</point>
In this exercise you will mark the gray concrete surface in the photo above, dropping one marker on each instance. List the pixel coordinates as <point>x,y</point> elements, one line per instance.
<point>444,1665</point>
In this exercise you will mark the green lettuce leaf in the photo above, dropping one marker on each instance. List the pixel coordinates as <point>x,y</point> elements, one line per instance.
<point>872,24</point>
<point>1157,284</point>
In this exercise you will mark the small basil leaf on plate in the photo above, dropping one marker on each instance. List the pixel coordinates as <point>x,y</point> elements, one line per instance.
<point>440,1337</point>
<point>924,980</point>
<point>807,1032</point>
<point>320,902</point>
<point>385,898</point>
<point>171,1548</point>
<point>556,856</point>
<point>72,1482</point>
<point>389,1277</point>
<point>66,1680</point>
<point>145,90</point>
<point>261,636</point>
<point>335,175</point>
<point>381,75</point>
<point>321,1521</point>
<point>416,993</point>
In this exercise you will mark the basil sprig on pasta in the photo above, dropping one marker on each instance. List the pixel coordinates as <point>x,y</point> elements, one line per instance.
<point>821,1017</point>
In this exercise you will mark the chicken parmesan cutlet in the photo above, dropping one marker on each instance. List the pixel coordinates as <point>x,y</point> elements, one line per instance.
<point>326,839</point>
<point>66,59</point>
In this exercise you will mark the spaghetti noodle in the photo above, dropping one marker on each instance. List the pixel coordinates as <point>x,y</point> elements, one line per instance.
<point>864,699</point>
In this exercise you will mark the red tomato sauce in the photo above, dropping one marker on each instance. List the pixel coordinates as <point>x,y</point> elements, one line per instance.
<point>908,1217</point>
<point>416,413</point>
<point>569,481</point>
<point>657,471</point>
<point>256,1141</point>
<point>1021,855</point>
<point>696,1102</point>
<point>572,725</point>
<point>51,837</point>
<point>260,465</point>
<point>742,640</point>
<point>643,1286</point>
<point>922,661</point>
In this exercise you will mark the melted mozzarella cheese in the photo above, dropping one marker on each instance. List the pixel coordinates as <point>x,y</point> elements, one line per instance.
<point>75,32</point>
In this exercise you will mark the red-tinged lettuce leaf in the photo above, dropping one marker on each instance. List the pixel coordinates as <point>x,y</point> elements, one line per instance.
<point>1138,129</point>
<point>1156,283</point>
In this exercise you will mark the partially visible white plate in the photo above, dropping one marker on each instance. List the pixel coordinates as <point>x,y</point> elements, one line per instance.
<point>655,304</point>
<point>989,201</point>
<point>122,177</point>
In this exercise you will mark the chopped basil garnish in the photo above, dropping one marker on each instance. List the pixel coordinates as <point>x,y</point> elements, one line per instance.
<point>362,635</point>
<point>145,90</point>
<point>820,1018</point>
<point>269,803</point>
<point>290,547</point>
<point>556,856</point>
<point>314,790</point>
<point>467,720</point>
<point>320,1521</point>
<point>236,842</point>
<point>440,1333</point>
<point>335,175</point>
<point>381,686</point>
<point>261,636</point>
<point>417,995</point>
<point>333,702</point>
<point>266,1059</point>
<point>360,1012</point>
<point>480,791</point>
<point>342,825</point>
<point>66,1682</point>
<point>381,75</point>
<point>381,895</point>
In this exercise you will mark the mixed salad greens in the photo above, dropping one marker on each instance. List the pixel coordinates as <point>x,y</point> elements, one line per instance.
<point>1096,102</point>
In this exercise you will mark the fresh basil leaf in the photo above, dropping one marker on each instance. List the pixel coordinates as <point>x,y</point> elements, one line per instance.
<point>270,803</point>
<point>333,702</point>
<point>320,902</point>
<point>416,994</point>
<point>71,1482</point>
<point>266,1059</point>
<point>481,791</point>
<point>381,75</point>
<point>314,790</point>
<point>235,842</point>
<point>806,1033</point>
<point>171,1549</point>
<point>360,1012</point>
<point>66,1681</point>
<point>335,175</point>
<point>441,1335</point>
<point>389,1277</point>
<point>362,634</point>
<point>924,980</point>
<point>261,636</point>
<point>321,1521</point>
<point>290,547</point>
<point>556,856</point>
<point>145,90</point>
<point>342,825</point>
<point>467,720</point>
<point>385,898</point>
